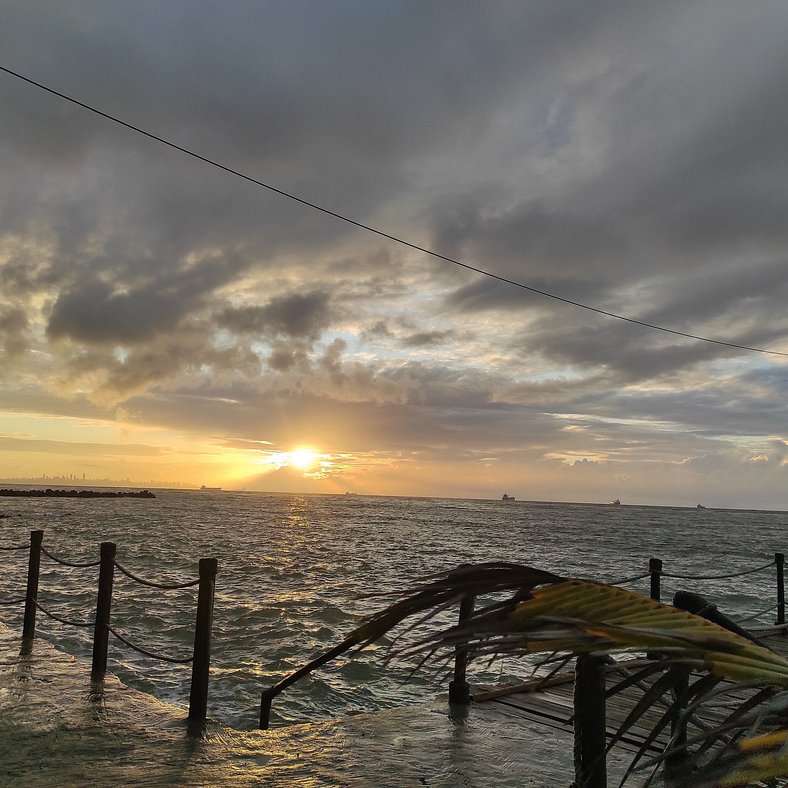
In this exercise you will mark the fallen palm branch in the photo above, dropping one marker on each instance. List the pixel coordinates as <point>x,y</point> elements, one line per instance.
<point>549,614</point>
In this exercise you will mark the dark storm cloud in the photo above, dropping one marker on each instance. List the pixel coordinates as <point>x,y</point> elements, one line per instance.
<point>93,312</point>
<point>532,238</point>
<point>296,315</point>
<point>427,338</point>
<point>13,330</point>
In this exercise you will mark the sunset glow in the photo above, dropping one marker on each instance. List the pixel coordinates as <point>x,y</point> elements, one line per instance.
<point>303,458</point>
<point>165,322</point>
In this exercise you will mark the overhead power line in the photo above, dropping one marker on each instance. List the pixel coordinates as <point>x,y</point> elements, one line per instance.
<point>382,233</point>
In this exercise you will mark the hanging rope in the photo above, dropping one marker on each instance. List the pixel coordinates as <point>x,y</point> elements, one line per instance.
<point>718,577</point>
<point>63,562</point>
<point>61,620</point>
<point>755,615</point>
<point>147,653</point>
<point>151,584</point>
<point>630,579</point>
<point>14,601</point>
<point>18,547</point>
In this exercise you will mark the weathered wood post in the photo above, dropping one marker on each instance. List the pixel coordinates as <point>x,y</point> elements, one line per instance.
<point>655,570</point>
<point>103,610</point>
<point>590,722</point>
<point>198,697</point>
<point>33,566</point>
<point>459,689</point>
<point>779,562</point>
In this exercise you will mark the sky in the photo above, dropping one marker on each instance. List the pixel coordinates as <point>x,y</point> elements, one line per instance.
<point>164,321</point>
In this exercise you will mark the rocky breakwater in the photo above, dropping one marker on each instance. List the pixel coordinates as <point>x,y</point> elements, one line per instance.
<point>49,493</point>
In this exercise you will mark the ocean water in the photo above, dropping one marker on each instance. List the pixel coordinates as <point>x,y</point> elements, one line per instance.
<point>297,573</point>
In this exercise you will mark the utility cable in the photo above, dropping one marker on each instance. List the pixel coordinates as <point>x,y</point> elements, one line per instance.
<point>382,233</point>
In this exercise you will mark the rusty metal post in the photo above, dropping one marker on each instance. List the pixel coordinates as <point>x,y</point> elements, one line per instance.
<point>198,696</point>
<point>266,698</point>
<point>33,566</point>
<point>590,722</point>
<point>103,610</point>
<point>779,562</point>
<point>459,689</point>
<point>655,570</point>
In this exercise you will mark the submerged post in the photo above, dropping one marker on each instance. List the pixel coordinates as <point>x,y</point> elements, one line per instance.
<point>198,697</point>
<point>103,610</point>
<point>655,570</point>
<point>33,566</point>
<point>590,722</point>
<point>459,689</point>
<point>779,562</point>
<point>676,761</point>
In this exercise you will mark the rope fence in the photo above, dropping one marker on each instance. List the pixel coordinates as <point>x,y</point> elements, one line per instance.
<point>632,579</point>
<point>59,618</point>
<point>720,577</point>
<point>63,562</point>
<point>13,601</point>
<point>205,582</point>
<point>102,626</point>
<point>755,615</point>
<point>151,584</point>
<point>147,653</point>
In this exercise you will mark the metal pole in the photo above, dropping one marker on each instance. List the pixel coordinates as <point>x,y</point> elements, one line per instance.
<point>459,689</point>
<point>590,722</point>
<point>266,698</point>
<point>655,570</point>
<point>33,565</point>
<point>103,610</point>
<point>676,762</point>
<point>779,561</point>
<point>198,697</point>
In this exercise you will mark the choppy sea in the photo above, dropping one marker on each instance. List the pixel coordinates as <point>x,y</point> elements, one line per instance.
<point>297,573</point>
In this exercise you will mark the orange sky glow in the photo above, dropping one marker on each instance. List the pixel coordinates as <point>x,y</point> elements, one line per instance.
<point>166,322</point>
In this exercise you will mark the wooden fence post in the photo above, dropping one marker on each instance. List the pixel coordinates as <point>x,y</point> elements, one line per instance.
<point>103,610</point>
<point>590,722</point>
<point>655,570</point>
<point>33,566</point>
<point>779,561</point>
<point>459,689</point>
<point>198,697</point>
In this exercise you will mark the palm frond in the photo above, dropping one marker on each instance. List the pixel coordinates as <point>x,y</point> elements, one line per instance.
<point>550,614</point>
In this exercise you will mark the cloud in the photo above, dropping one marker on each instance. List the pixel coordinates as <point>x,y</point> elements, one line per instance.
<point>13,330</point>
<point>623,157</point>
<point>427,338</point>
<point>302,315</point>
<point>12,443</point>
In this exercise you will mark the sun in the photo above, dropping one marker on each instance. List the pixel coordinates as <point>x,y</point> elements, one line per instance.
<point>302,458</point>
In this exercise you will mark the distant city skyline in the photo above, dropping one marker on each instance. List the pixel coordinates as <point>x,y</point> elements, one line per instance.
<point>107,481</point>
